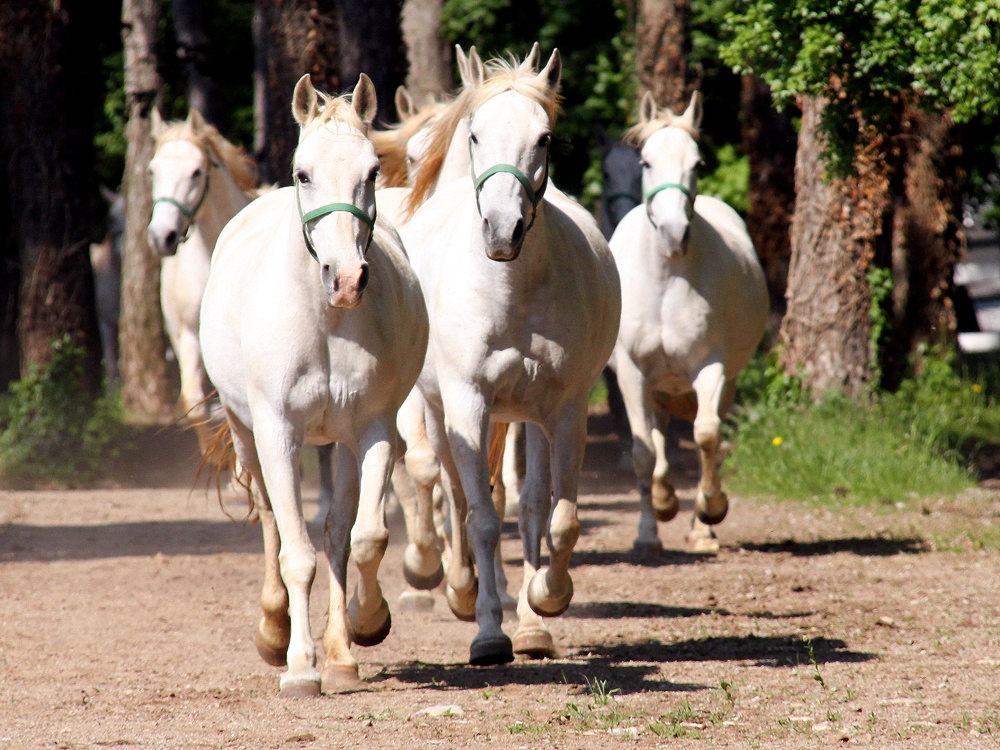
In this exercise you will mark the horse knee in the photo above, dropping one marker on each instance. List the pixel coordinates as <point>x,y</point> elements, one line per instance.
<point>707,433</point>
<point>297,568</point>
<point>368,548</point>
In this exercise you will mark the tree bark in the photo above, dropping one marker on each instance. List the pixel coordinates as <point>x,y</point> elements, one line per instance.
<point>769,140</point>
<point>371,42</point>
<point>430,57</point>
<point>291,38</point>
<point>841,230</point>
<point>662,52</point>
<point>46,139</point>
<point>194,53</point>
<point>147,386</point>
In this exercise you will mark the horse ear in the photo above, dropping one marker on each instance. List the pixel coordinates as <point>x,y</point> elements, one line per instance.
<point>195,121</point>
<point>156,122</point>
<point>364,101</point>
<point>552,72</point>
<point>647,108</point>
<point>305,101</point>
<point>692,115</point>
<point>530,63</point>
<point>477,71</point>
<point>462,60</point>
<point>405,107</point>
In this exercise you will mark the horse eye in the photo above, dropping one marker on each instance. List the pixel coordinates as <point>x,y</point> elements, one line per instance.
<point>699,167</point>
<point>373,174</point>
<point>644,164</point>
<point>302,178</point>
<point>544,141</point>
<point>472,137</point>
<point>197,173</point>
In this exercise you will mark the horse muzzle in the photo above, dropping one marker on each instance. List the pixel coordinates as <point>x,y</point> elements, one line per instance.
<point>504,245</point>
<point>345,287</point>
<point>163,243</point>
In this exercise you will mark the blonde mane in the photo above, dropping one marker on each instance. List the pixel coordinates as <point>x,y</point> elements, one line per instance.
<point>390,144</point>
<point>216,148</point>
<point>336,110</point>
<point>501,76</point>
<point>637,135</point>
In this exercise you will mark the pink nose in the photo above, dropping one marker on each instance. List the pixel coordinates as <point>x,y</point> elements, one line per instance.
<point>349,285</point>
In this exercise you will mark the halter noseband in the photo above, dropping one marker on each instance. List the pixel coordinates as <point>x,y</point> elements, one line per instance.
<point>331,208</point>
<point>190,213</point>
<point>648,195</point>
<point>534,196</point>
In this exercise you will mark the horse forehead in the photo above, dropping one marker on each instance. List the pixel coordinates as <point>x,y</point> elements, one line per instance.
<point>179,152</point>
<point>338,141</point>
<point>671,143</point>
<point>509,107</point>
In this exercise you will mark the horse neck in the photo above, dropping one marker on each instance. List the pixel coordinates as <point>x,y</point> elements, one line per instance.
<point>456,162</point>
<point>223,202</point>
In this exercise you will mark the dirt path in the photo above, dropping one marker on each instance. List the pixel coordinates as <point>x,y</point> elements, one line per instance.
<point>127,617</point>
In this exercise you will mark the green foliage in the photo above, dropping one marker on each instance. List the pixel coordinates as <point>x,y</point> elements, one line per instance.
<point>862,54</point>
<point>51,430</point>
<point>891,447</point>
<point>730,180</point>
<point>880,281</point>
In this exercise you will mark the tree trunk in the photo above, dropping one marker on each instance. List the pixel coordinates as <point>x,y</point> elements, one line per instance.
<point>927,238</point>
<point>839,235</point>
<point>147,387</point>
<point>429,56</point>
<point>769,140</point>
<point>662,52</point>
<point>46,136</point>
<point>291,38</point>
<point>194,53</point>
<point>371,42</point>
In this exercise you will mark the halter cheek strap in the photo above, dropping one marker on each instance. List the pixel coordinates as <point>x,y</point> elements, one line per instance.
<point>190,213</point>
<point>648,194</point>
<point>534,196</point>
<point>331,208</point>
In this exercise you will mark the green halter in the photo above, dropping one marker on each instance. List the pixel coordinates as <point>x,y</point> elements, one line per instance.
<point>533,196</point>
<point>648,195</point>
<point>190,213</point>
<point>331,208</point>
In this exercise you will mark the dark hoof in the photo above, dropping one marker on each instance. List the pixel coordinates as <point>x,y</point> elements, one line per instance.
<point>341,678</point>
<point>487,652</point>
<point>701,510</point>
<point>648,550</point>
<point>424,583</point>
<point>534,643</point>
<point>276,657</point>
<point>299,689</point>
<point>665,503</point>
<point>376,636</point>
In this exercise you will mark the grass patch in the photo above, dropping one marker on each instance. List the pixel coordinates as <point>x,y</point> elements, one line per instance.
<point>888,448</point>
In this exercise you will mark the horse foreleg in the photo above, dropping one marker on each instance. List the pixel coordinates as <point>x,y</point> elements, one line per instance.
<point>193,381</point>
<point>711,503</point>
<point>640,417</point>
<point>368,611</point>
<point>279,449</point>
<point>340,668</point>
<point>533,637</point>
<point>324,462</point>
<point>551,588</point>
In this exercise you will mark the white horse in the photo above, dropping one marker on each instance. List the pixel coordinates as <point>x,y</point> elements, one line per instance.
<point>106,264</point>
<point>695,307</point>
<point>523,298</point>
<point>200,182</point>
<point>299,357</point>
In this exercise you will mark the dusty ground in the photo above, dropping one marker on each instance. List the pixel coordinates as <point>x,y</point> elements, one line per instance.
<point>127,617</point>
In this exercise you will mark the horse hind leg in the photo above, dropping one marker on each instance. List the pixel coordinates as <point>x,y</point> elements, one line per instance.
<point>422,565</point>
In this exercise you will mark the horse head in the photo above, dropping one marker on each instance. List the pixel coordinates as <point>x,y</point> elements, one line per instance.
<point>510,119</point>
<point>621,187</point>
<point>670,164</point>
<point>180,171</point>
<point>335,167</point>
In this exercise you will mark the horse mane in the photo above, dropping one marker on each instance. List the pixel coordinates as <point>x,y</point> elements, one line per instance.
<point>240,164</point>
<point>637,135</point>
<point>390,144</point>
<point>501,76</point>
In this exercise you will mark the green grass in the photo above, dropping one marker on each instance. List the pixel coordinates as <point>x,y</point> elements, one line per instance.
<point>889,448</point>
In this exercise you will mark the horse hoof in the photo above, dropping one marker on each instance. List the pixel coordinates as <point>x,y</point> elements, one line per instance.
<point>664,501</point>
<point>463,606</point>
<point>276,656</point>
<point>341,678</point>
<point>707,517</point>
<point>705,545</point>
<point>486,652</point>
<point>541,601</point>
<point>534,643</point>
<point>300,687</point>
<point>415,601</point>
<point>376,636</point>
<point>424,583</point>
<point>647,550</point>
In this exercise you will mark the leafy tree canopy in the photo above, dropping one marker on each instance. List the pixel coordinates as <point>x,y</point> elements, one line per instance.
<point>860,55</point>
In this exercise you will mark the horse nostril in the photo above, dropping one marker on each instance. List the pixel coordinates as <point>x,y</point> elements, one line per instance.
<point>171,239</point>
<point>486,223</point>
<point>518,234</point>
<point>363,278</point>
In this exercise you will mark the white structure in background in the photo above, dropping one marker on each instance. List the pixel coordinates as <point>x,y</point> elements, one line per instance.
<point>980,275</point>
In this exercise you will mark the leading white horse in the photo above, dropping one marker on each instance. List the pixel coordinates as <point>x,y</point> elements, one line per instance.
<point>524,299</point>
<point>298,356</point>
<point>694,309</point>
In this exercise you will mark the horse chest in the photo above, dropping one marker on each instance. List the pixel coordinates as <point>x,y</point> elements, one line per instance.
<point>685,317</point>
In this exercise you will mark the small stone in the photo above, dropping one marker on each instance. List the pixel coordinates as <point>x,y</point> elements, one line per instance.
<point>443,710</point>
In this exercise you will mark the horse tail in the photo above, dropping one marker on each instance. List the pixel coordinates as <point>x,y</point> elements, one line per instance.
<point>219,463</point>
<point>498,439</point>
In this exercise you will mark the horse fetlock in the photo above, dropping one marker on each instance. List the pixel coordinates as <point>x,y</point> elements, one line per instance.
<point>664,500</point>
<point>422,567</point>
<point>547,596</point>
<point>711,509</point>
